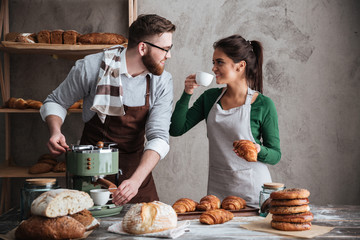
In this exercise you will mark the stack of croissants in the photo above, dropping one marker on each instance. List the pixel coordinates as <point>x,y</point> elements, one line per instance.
<point>20,103</point>
<point>216,212</point>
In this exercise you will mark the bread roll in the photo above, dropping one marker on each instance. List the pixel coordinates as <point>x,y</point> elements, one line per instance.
<point>34,104</point>
<point>216,216</point>
<point>209,202</point>
<point>233,203</point>
<point>37,227</point>
<point>149,217</point>
<point>287,226</point>
<point>246,149</point>
<point>184,205</point>
<point>61,202</point>
<point>290,193</point>
<point>60,167</point>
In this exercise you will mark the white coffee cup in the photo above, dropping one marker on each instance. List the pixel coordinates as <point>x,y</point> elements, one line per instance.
<point>100,196</point>
<point>203,78</point>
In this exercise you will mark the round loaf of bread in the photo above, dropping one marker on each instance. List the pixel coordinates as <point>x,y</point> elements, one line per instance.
<point>286,226</point>
<point>149,218</point>
<point>294,218</point>
<point>291,193</point>
<point>289,202</point>
<point>289,209</point>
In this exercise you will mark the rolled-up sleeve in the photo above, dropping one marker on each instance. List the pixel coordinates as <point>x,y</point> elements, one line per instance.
<point>78,84</point>
<point>158,122</point>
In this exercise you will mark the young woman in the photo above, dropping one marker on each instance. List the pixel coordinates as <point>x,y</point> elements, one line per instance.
<point>237,111</point>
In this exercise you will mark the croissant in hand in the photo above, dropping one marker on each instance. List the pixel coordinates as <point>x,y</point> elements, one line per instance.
<point>216,216</point>
<point>184,205</point>
<point>209,202</point>
<point>233,203</point>
<point>246,149</point>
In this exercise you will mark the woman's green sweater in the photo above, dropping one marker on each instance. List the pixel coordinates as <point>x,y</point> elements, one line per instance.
<point>263,120</point>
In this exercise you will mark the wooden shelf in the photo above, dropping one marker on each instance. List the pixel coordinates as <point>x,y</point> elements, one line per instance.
<point>11,110</point>
<point>14,171</point>
<point>51,49</point>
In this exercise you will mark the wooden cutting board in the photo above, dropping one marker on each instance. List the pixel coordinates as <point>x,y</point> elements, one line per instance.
<point>247,211</point>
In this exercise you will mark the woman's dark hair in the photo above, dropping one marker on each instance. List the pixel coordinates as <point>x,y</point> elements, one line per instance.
<point>238,49</point>
<point>146,26</point>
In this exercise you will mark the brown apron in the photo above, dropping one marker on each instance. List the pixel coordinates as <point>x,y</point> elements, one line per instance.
<point>128,132</point>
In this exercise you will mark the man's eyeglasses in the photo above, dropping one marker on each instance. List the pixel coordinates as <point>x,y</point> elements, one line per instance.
<point>166,50</point>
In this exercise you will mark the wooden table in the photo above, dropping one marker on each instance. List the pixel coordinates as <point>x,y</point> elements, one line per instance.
<point>344,218</point>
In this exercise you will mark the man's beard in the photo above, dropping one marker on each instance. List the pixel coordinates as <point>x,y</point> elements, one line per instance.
<point>152,66</point>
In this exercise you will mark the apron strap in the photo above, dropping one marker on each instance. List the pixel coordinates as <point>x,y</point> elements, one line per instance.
<point>249,96</point>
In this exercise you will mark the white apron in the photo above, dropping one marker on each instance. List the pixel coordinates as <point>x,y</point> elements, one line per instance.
<point>228,173</point>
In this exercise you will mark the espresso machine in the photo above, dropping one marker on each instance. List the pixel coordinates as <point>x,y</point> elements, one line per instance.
<point>86,168</point>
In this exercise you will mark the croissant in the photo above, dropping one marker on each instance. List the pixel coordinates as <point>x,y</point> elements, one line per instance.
<point>246,150</point>
<point>216,216</point>
<point>184,205</point>
<point>209,202</point>
<point>233,203</point>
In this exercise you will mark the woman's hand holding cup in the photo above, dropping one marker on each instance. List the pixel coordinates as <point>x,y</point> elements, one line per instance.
<point>190,84</point>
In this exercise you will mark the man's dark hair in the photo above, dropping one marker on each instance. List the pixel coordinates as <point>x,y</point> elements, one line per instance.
<point>146,26</point>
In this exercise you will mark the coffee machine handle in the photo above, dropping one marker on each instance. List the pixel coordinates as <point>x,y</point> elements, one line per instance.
<point>107,184</point>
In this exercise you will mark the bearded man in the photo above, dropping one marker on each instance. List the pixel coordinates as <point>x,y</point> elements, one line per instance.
<point>126,95</point>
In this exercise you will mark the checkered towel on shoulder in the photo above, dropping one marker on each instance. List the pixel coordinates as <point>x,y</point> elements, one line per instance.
<point>108,97</point>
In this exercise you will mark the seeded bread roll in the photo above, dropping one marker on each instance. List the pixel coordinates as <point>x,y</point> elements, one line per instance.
<point>149,217</point>
<point>37,227</point>
<point>61,202</point>
<point>40,167</point>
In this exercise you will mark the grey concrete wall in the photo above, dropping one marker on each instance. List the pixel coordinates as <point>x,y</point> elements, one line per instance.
<point>311,71</point>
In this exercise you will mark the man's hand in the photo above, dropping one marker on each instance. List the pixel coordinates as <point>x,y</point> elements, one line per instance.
<point>125,192</point>
<point>57,144</point>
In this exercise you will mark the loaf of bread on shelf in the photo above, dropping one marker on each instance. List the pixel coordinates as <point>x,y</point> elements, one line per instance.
<point>246,149</point>
<point>21,37</point>
<point>61,202</point>
<point>38,227</point>
<point>59,167</point>
<point>43,36</point>
<point>208,202</point>
<point>41,167</point>
<point>56,36</point>
<point>102,38</point>
<point>34,104</point>
<point>70,37</point>
<point>216,216</point>
<point>233,203</point>
<point>149,217</point>
<point>184,205</point>
<point>20,103</point>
